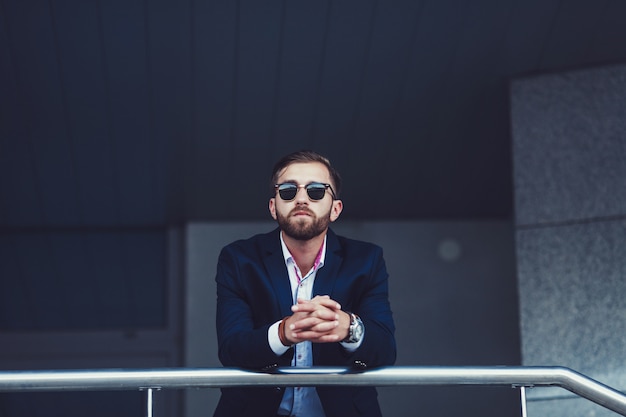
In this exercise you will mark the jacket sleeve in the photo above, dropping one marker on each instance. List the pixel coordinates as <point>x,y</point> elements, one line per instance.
<point>372,306</point>
<point>243,316</point>
<point>362,288</point>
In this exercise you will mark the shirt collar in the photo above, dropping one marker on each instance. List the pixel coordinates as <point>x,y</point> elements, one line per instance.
<point>319,261</point>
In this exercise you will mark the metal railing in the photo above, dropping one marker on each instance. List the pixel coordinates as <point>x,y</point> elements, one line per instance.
<point>157,379</point>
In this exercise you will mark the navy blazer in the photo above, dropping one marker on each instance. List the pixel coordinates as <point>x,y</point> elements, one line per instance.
<point>253,292</point>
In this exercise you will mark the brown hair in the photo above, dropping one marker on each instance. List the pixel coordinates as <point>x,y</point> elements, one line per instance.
<point>306,156</point>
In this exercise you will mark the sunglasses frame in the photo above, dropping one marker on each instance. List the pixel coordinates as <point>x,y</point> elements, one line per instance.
<point>305,186</point>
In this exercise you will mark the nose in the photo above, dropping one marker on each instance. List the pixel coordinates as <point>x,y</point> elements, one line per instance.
<point>301,195</point>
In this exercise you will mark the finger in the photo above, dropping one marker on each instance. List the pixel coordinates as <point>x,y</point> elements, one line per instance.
<point>326,301</point>
<point>315,310</point>
<point>307,306</point>
<point>328,338</point>
<point>303,306</point>
<point>313,324</point>
<point>316,337</point>
<point>315,299</point>
<point>304,323</point>
<point>299,315</point>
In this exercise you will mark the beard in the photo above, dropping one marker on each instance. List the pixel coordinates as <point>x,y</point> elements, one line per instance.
<point>302,228</point>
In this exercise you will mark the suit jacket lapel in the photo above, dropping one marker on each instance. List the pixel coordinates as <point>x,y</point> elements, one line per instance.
<point>327,276</point>
<point>277,271</point>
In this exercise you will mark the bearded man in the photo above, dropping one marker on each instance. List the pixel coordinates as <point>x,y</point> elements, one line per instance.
<point>303,296</point>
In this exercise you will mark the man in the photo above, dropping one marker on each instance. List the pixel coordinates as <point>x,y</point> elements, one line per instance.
<point>303,296</point>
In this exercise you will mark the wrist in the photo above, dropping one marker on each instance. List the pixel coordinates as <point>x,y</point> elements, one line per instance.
<point>282,333</point>
<point>355,329</point>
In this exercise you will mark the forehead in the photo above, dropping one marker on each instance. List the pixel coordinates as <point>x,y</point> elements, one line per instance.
<point>305,172</point>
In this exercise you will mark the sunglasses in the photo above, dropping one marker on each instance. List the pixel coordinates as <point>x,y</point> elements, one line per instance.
<point>315,190</point>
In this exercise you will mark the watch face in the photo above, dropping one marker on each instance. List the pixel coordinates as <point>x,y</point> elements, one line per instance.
<point>355,332</point>
<point>358,331</point>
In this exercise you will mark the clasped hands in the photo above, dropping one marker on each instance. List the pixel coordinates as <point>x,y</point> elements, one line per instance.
<point>319,320</point>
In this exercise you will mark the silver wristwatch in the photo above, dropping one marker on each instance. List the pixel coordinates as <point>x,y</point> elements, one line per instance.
<point>355,331</point>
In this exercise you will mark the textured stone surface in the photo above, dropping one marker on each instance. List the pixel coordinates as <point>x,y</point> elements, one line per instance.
<point>572,287</point>
<point>569,152</point>
<point>569,145</point>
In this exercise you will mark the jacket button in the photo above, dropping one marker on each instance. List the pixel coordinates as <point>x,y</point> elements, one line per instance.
<point>360,365</point>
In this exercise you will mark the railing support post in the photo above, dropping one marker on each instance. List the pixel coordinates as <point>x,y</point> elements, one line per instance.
<point>522,391</point>
<point>149,402</point>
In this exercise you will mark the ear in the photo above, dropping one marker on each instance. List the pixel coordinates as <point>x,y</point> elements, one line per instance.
<point>335,210</point>
<point>272,207</point>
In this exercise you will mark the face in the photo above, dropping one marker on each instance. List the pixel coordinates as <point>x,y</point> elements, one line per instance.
<point>303,218</point>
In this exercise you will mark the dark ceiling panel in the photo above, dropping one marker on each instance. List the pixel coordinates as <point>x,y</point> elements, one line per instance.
<point>530,25</point>
<point>198,167</point>
<point>87,125</point>
<point>215,36</point>
<point>258,58</point>
<point>41,123</point>
<point>608,38</point>
<point>137,113</point>
<point>152,161</point>
<point>54,165</point>
<point>302,50</point>
<point>20,204</point>
<point>346,45</point>
<point>260,52</point>
<point>130,145</point>
<point>571,40</point>
<point>383,79</point>
<point>413,157</point>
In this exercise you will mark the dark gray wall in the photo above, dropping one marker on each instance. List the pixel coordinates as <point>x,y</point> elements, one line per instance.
<point>569,150</point>
<point>453,294</point>
<point>65,304</point>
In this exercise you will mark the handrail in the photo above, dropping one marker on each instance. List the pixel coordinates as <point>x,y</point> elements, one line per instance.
<point>183,378</point>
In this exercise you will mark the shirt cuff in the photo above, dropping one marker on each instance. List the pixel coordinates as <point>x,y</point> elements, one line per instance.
<point>275,344</point>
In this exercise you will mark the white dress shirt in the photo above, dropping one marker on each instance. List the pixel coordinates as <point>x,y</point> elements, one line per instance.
<point>301,401</point>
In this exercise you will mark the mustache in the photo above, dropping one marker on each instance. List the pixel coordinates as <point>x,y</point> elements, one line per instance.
<point>301,209</point>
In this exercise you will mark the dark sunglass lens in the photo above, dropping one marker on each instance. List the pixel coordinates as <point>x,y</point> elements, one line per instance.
<point>316,191</point>
<point>287,191</point>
